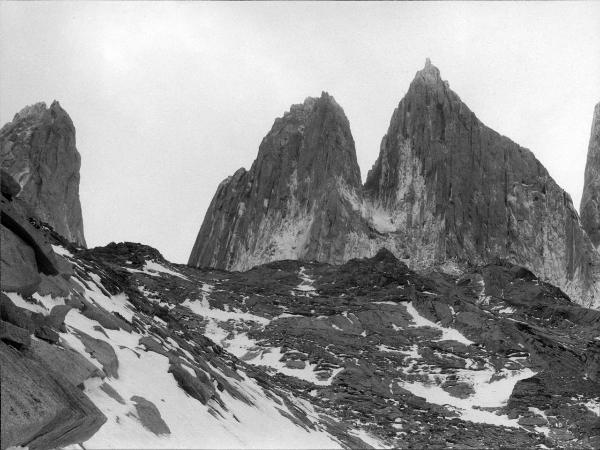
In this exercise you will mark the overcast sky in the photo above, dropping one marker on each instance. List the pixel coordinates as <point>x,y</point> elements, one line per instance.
<point>168,99</point>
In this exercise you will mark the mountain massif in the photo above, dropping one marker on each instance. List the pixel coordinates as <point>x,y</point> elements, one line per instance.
<point>37,150</point>
<point>590,201</point>
<point>444,188</point>
<point>328,340</point>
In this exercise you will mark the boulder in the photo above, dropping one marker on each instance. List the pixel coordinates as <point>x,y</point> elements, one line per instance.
<point>9,186</point>
<point>192,385</point>
<point>106,319</point>
<point>40,408</point>
<point>112,393</point>
<point>11,313</point>
<point>47,334</point>
<point>101,351</point>
<point>44,255</point>
<point>16,336</point>
<point>71,364</point>
<point>149,416</point>
<point>18,265</point>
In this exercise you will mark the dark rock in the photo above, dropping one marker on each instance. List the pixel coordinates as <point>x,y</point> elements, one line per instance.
<point>66,361</point>
<point>44,255</point>
<point>10,188</point>
<point>149,416</point>
<point>193,386</point>
<point>106,319</point>
<point>40,408</point>
<point>18,265</point>
<point>590,200</point>
<point>57,315</point>
<point>46,333</point>
<point>11,313</point>
<point>103,352</point>
<point>111,392</point>
<point>533,421</point>
<point>38,149</point>
<point>18,337</point>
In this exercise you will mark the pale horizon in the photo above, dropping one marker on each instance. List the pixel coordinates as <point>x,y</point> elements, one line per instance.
<point>168,99</point>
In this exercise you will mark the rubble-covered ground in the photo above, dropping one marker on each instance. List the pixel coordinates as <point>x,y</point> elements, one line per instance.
<point>299,354</point>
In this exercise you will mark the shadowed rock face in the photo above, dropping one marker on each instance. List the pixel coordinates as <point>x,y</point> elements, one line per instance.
<point>289,205</point>
<point>590,201</point>
<point>454,188</point>
<point>38,150</point>
<point>444,187</point>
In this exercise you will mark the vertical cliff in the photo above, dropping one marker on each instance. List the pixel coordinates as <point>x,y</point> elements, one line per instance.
<point>289,204</point>
<point>455,188</point>
<point>444,187</point>
<point>590,201</point>
<point>38,150</point>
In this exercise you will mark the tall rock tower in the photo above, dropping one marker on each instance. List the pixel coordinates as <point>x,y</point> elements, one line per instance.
<point>590,201</point>
<point>38,150</point>
<point>457,189</point>
<point>289,205</point>
<point>444,187</point>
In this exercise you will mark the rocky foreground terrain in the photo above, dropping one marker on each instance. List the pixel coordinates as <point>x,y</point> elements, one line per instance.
<point>121,349</point>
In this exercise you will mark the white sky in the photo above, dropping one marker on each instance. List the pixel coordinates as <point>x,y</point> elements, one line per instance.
<point>168,99</point>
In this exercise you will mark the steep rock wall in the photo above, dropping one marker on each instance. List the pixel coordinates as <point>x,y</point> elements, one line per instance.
<point>38,150</point>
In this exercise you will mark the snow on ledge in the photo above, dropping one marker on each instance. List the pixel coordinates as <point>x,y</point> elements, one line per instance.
<point>448,334</point>
<point>152,267</point>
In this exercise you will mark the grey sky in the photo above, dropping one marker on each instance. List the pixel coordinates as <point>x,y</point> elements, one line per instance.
<point>170,98</point>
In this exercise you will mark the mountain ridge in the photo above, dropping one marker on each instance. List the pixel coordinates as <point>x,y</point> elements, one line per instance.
<point>443,187</point>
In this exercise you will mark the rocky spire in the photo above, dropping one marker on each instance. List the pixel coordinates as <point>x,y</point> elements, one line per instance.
<point>289,204</point>
<point>444,187</point>
<point>455,189</point>
<point>38,150</point>
<point>590,201</point>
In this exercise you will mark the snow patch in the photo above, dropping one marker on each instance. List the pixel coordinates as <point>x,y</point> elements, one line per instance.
<point>152,267</point>
<point>448,334</point>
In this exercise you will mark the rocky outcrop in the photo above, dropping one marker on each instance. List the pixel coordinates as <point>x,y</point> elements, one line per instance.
<point>38,150</point>
<point>452,188</point>
<point>444,187</point>
<point>290,204</point>
<point>40,407</point>
<point>590,200</point>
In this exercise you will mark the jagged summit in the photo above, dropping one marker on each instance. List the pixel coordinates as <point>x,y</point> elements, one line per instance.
<point>38,150</point>
<point>444,187</point>
<point>288,205</point>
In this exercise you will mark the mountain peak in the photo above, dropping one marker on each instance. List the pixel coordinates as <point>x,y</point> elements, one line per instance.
<point>429,74</point>
<point>49,184</point>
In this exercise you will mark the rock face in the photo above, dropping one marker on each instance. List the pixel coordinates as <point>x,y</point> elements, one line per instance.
<point>590,201</point>
<point>453,188</point>
<point>289,205</point>
<point>38,150</point>
<point>444,187</point>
